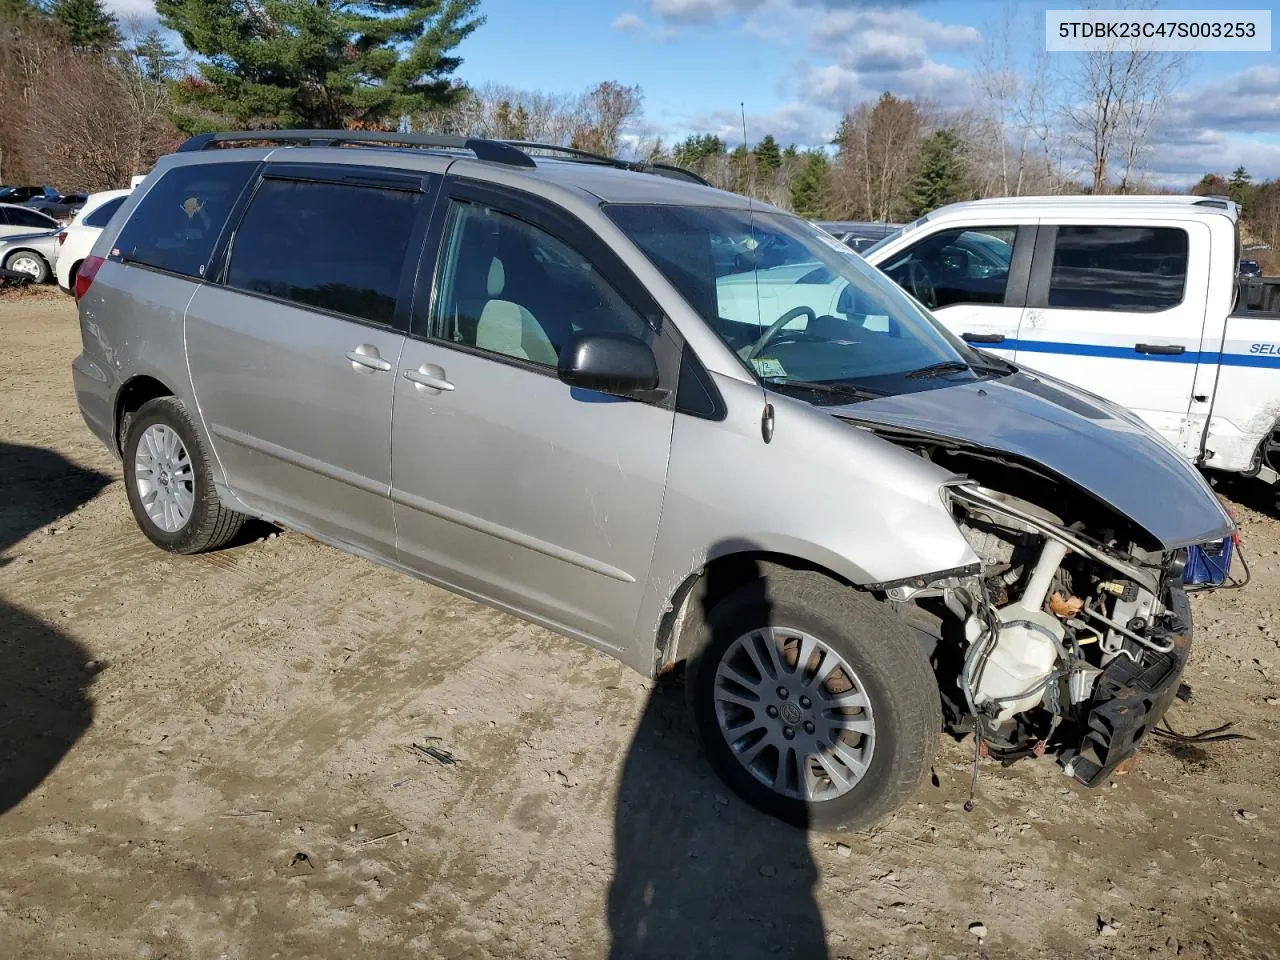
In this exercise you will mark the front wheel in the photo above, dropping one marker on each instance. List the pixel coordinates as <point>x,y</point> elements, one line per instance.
<point>812,701</point>
<point>32,264</point>
<point>169,484</point>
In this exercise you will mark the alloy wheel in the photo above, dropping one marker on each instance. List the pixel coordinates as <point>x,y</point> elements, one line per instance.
<point>794,713</point>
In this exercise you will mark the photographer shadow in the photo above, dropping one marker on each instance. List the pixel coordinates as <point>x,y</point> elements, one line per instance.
<point>699,874</point>
<point>45,705</point>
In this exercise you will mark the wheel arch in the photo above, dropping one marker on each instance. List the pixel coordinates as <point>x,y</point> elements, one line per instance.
<point>10,254</point>
<point>725,569</point>
<point>133,393</point>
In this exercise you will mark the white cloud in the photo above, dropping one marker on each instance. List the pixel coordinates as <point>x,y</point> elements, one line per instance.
<point>627,23</point>
<point>144,9</point>
<point>701,11</point>
<point>794,123</point>
<point>1246,102</point>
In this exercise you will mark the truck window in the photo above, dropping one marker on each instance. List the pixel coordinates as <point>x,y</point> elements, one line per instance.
<point>1134,269</point>
<point>965,265</point>
<point>177,223</point>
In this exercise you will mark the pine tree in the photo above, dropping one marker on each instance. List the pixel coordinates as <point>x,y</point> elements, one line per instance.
<point>299,63</point>
<point>156,60</point>
<point>768,156</point>
<point>520,123</point>
<point>740,168</point>
<point>1238,185</point>
<point>88,24</point>
<point>694,151</point>
<point>809,185</point>
<point>941,176</point>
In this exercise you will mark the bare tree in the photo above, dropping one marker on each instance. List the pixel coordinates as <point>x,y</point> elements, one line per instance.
<point>1117,95</point>
<point>602,113</point>
<point>879,150</point>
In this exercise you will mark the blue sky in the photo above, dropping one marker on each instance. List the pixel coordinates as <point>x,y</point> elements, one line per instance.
<point>797,64</point>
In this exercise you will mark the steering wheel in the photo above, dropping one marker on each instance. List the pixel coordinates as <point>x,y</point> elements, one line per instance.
<point>919,285</point>
<point>752,350</point>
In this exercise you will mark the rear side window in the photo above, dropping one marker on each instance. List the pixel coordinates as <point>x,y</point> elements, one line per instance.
<point>335,246</point>
<point>103,214</point>
<point>1135,269</point>
<point>177,223</point>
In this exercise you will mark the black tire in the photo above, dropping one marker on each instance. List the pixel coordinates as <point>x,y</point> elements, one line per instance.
<point>890,663</point>
<point>42,276</point>
<point>209,525</point>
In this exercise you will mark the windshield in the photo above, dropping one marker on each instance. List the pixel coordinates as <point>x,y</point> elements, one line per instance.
<point>800,309</point>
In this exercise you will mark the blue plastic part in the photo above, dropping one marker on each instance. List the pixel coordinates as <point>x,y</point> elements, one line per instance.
<point>1209,563</point>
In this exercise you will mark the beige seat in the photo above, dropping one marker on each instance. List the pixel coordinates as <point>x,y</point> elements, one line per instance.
<point>508,328</point>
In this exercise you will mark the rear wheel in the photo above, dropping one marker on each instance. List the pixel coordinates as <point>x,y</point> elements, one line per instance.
<point>32,264</point>
<point>169,484</point>
<point>812,701</point>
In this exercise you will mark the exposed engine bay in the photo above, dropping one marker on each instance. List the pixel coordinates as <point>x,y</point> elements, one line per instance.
<point>1071,635</point>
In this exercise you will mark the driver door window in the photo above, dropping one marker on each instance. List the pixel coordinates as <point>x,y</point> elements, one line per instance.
<point>510,289</point>
<point>964,265</point>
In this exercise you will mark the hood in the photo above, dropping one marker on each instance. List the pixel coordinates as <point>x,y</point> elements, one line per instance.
<point>1083,439</point>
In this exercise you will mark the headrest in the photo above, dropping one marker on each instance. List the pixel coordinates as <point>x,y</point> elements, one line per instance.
<point>497,278</point>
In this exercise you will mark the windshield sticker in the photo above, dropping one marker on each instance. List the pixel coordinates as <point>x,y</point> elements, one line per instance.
<point>768,367</point>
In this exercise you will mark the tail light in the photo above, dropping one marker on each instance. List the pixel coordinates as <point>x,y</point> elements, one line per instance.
<point>84,276</point>
<point>62,237</point>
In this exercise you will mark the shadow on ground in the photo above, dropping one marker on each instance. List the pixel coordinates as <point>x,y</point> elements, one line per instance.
<point>44,701</point>
<point>40,487</point>
<point>699,874</point>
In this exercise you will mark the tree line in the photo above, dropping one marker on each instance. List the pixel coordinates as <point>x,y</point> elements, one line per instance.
<point>86,101</point>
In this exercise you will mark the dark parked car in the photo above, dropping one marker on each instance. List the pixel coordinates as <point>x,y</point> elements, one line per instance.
<point>1250,268</point>
<point>856,235</point>
<point>44,199</point>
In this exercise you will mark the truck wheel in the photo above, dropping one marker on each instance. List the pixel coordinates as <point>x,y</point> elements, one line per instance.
<point>169,484</point>
<point>813,701</point>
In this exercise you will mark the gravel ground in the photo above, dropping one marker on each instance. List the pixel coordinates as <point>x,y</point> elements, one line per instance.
<point>213,757</point>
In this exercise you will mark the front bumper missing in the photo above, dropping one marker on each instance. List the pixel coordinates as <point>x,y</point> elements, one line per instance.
<point>1129,700</point>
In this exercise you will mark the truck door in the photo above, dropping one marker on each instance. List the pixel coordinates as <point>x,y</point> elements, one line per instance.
<point>1119,309</point>
<point>973,278</point>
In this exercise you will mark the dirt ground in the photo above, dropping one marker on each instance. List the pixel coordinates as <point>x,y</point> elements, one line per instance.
<point>213,758</point>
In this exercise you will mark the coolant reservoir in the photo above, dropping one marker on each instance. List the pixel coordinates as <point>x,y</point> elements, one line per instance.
<point>1025,653</point>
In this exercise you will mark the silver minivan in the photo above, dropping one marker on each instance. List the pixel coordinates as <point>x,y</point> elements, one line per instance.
<point>672,422</point>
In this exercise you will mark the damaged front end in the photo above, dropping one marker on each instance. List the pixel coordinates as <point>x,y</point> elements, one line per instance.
<point>1069,643</point>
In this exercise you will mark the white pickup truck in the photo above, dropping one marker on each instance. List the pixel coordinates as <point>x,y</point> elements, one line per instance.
<point>1133,298</point>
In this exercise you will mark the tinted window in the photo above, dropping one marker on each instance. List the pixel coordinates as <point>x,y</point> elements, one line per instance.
<point>512,289</point>
<point>104,213</point>
<point>178,221</point>
<point>956,266</point>
<point>31,218</point>
<point>1139,269</point>
<point>335,246</point>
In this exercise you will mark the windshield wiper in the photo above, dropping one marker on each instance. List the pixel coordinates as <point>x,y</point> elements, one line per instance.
<point>831,389</point>
<point>938,370</point>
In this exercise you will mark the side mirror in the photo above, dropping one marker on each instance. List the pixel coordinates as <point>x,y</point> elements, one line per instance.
<point>611,363</point>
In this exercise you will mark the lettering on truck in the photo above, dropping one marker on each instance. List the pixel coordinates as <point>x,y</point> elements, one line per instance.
<point>1268,349</point>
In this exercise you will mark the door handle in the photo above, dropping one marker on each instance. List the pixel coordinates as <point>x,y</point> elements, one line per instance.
<point>1169,348</point>
<point>428,376</point>
<point>982,337</point>
<point>365,359</point>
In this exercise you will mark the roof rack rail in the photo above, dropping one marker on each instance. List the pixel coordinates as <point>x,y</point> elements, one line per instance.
<point>492,150</point>
<point>586,156</point>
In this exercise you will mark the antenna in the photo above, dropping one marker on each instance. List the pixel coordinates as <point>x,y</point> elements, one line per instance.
<point>742,107</point>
